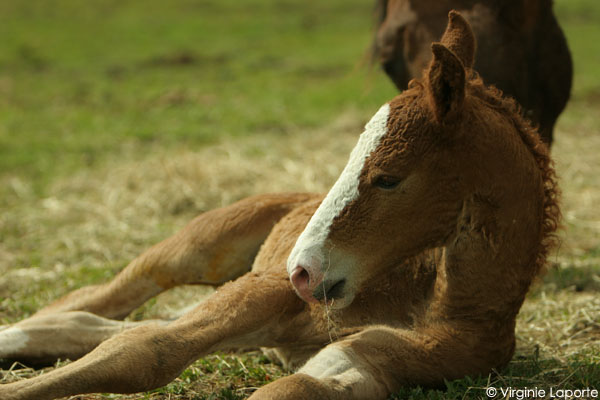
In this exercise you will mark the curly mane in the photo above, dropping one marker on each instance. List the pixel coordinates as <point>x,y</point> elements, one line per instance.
<point>540,151</point>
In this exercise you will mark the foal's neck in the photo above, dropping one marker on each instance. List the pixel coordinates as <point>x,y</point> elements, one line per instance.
<point>490,262</point>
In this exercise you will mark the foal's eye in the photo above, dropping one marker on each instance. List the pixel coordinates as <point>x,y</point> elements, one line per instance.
<point>386,182</point>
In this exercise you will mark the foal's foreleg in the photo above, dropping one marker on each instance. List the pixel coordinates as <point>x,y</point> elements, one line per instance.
<point>373,364</point>
<point>214,248</point>
<point>245,312</point>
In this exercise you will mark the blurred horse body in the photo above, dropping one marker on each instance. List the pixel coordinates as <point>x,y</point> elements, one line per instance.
<point>521,49</point>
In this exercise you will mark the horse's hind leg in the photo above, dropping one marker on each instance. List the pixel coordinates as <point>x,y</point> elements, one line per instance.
<point>69,334</point>
<point>217,246</point>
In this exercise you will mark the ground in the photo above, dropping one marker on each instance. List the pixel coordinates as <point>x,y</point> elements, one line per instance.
<point>120,121</point>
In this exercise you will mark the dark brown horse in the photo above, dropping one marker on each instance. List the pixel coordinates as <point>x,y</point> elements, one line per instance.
<point>521,49</point>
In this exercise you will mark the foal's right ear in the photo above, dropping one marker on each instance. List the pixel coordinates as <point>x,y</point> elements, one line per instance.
<point>445,83</point>
<point>459,38</point>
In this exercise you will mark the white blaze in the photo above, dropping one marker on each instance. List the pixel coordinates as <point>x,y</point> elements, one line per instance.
<point>310,242</point>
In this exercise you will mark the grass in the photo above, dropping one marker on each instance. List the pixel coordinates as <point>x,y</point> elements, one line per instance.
<point>120,121</point>
<point>81,83</point>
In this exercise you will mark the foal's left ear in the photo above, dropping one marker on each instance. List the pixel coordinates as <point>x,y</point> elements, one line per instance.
<point>446,83</point>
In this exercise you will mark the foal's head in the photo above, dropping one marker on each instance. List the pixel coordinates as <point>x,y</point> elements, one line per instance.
<point>420,157</point>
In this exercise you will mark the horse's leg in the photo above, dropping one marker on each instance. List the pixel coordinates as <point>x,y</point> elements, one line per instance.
<point>374,363</point>
<point>217,246</point>
<point>68,334</point>
<point>214,248</point>
<point>251,311</point>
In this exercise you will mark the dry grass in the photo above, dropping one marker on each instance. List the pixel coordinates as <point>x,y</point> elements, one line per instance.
<point>95,221</point>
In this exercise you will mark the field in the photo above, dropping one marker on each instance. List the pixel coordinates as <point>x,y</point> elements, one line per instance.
<point>120,121</point>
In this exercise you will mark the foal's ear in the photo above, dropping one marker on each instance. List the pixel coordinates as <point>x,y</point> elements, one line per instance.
<point>459,38</point>
<point>446,83</point>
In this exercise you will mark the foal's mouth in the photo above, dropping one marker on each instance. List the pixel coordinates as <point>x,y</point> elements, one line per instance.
<point>329,290</point>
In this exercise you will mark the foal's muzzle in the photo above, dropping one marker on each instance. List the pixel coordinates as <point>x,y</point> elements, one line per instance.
<point>314,289</point>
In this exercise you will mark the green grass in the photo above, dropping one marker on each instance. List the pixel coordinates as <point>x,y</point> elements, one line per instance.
<point>579,20</point>
<point>119,121</point>
<point>78,83</point>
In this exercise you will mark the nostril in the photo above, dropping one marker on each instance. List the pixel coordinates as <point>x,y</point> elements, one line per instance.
<point>300,278</point>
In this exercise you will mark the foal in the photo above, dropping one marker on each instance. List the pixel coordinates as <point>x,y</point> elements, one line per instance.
<point>422,252</point>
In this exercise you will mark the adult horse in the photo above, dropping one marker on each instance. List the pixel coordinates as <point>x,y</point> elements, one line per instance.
<point>421,254</point>
<point>522,49</point>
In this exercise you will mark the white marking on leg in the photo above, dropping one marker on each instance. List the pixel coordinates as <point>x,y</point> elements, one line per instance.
<point>340,365</point>
<point>12,340</point>
<point>328,362</point>
<point>310,242</point>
